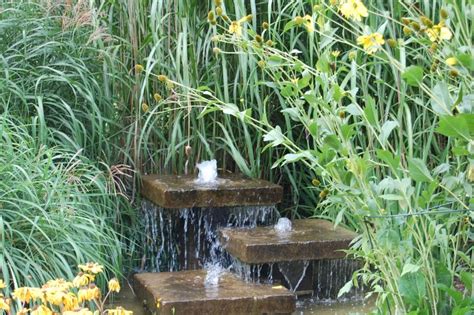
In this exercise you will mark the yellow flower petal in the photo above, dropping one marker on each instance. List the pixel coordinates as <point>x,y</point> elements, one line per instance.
<point>452,61</point>
<point>445,33</point>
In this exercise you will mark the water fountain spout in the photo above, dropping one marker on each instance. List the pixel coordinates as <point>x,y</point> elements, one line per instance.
<point>283,226</point>
<point>207,172</point>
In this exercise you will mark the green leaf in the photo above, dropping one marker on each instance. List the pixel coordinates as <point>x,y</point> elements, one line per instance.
<point>274,60</point>
<point>441,102</point>
<point>289,26</point>
<point>412,287</point>
<point>275,136</point>
<point>418,170</point>
<point>371,112</point>
<point>332,141</point>
<point>345,289</point>
<point>466,60</point>
<point>413,75</point>
<point>387,128</point>
<point>389,158</point>
<point>409,268</point>
<point>456,126</point>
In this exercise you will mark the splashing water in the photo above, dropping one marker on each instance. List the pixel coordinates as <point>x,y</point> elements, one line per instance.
<point>213,273</point>
<point>283,226</point>
<point>207,172</point>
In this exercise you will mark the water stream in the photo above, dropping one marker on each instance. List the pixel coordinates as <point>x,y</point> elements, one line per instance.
<point>168,248</point>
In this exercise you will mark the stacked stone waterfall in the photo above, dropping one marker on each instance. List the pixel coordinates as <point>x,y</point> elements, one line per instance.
<point>214,245</point>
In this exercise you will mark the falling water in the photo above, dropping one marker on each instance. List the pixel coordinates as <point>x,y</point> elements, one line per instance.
<point>293,272</point>
<point>167,248</point>
<point>331,275</point>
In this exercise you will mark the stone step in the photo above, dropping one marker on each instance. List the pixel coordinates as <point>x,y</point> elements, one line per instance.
<point>309,239</point>
<point>186,292</point>
<point>177,192</point>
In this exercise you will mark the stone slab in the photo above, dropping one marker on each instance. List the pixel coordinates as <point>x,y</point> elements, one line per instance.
<point>185,292</point>
<point>310,239</point>
<point>175,191</point>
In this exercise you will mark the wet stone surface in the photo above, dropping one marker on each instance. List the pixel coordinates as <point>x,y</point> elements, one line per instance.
<point>174,191</point>
<point>309,239</point>
<point>186,292</point>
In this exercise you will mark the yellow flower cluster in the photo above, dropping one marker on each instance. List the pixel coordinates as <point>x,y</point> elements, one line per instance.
<point>435,32</point>
<point>67,297</point>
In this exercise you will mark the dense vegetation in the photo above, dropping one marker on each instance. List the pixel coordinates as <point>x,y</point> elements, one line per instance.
<point>362,110</point>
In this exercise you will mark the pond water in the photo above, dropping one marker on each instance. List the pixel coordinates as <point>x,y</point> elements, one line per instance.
<point>127,300</point>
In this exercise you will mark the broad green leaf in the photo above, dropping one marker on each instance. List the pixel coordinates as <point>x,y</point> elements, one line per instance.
<point>412,287</point>
<point>389,158</point>
<point>441,101</point>
<point>413,75</point>
<point>418,170</point>
<point>466,60</point>
<point>456,126</point>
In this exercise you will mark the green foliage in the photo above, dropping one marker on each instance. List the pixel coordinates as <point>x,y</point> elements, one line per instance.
<point>57,209</point>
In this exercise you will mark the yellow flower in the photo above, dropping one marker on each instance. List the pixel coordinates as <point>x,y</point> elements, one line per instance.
<point>119,311</point>
<point>371,42</point>
<point>59,284</point>
<point>452,61</point>
<point>88,294</point>
<point>438,32</point>
<point>70,302</point>
<point>82,279</point>
<point>353,9</point>
<point>335,53</point>
<point>2,284</point>
<point>93,268</point>
<point>83,311</point>
<point>308,24</point>
<point>114,285</point>
<point>22,294</point>
<point>4,304</point>
<point>55,297</point>
<point>42,310</point>
<point>37,293</point>
<point>445,33</point>
<point>235,28</point>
